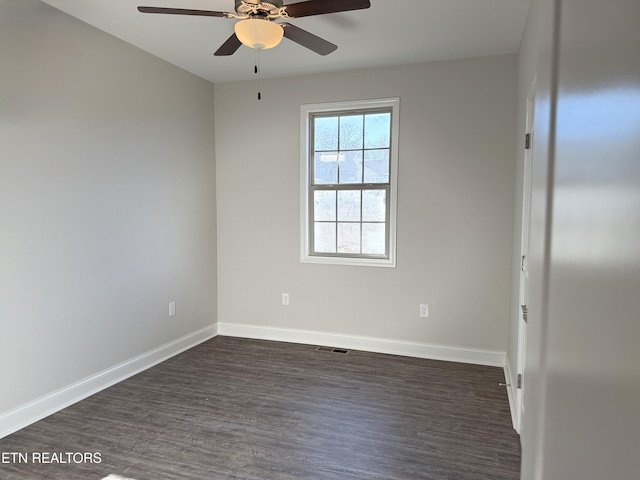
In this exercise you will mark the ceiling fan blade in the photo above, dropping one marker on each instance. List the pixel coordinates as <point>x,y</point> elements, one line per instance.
<point>308,40</point>
<point>320,7</point>
<point>182,11</point>
<point>229,47</point>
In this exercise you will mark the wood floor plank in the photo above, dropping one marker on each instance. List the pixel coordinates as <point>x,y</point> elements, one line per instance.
<point>235,408</point>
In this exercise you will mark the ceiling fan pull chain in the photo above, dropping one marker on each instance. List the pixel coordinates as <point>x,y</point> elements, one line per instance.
<point>257,71</point>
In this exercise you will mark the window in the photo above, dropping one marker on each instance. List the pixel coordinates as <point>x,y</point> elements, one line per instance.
<point>348,182</point>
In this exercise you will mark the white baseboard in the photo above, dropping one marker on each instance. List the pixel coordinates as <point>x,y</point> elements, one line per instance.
<point>510,381</point>
<point>40,408</point>
<point>377,345</point>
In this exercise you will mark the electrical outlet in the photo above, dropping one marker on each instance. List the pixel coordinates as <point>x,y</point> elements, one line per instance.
<point>424,310</point>
<point>285,299</point>
<point>172,309</point>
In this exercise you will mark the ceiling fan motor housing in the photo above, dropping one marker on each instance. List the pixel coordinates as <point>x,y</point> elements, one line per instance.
<point>256,7</point>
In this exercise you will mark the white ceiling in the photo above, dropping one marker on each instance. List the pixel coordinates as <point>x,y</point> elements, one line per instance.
<point>391,32</point>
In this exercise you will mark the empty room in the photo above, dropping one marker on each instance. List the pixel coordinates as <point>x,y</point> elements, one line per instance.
<point>319,239</point>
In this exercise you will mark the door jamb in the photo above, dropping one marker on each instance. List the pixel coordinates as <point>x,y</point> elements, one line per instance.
<point>524,248</point>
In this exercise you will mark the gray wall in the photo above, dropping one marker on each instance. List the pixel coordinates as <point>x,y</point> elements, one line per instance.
<point>455,208</point>
<point>107,202</point>
<point>582,394</point>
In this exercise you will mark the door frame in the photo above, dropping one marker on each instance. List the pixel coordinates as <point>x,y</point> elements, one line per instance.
<point>524,255</point>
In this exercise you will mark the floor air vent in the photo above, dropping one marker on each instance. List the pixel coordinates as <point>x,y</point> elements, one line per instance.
<point>332,350</point>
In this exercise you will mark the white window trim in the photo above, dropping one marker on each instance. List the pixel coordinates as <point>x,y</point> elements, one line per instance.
<point>305,111</point>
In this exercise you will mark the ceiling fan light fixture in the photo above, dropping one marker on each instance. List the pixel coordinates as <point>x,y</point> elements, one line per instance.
<point>259,33</point>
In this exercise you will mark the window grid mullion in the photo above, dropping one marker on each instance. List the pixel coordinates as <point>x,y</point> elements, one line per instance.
<point>338,158</point>
<point>362,151</point>
<point>361,220</point>
<point>337,198</point>
<point>362,181</point>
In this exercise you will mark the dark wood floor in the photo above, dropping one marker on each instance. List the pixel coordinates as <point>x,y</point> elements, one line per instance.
<point>247,409</point>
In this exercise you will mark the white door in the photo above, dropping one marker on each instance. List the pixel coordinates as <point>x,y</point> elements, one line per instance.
<point>524,255</point>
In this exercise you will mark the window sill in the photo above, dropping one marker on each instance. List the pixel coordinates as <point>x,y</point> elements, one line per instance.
<point>359,262</point>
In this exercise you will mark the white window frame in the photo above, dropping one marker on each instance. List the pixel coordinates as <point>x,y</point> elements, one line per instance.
<point>306,111</point>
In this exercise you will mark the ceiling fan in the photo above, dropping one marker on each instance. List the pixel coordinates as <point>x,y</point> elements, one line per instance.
<point>258,29</point>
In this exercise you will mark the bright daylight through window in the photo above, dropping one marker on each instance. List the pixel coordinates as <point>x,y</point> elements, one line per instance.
<point>349,182</point>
